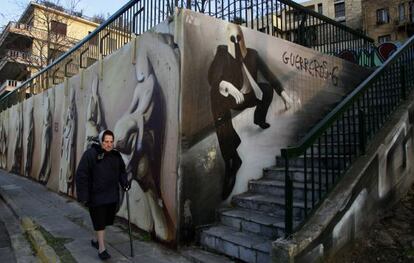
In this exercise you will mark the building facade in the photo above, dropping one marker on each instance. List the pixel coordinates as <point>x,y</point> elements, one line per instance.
<point>388,20</point>
<point>348,12</point>
<point>42,34</point>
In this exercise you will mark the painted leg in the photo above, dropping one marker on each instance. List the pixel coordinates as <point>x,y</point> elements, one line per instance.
<point>160,223</point>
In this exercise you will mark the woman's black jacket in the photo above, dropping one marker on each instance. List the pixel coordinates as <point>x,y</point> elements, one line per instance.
<point>98,176</point>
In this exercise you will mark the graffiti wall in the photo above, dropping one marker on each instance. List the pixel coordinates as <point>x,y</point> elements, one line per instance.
<point>370,57</point>
<point>244,96</point>
<point>198,107</point>
<point>45,136</point>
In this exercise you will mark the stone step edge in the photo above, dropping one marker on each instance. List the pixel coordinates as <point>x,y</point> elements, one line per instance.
<point>45,253</point>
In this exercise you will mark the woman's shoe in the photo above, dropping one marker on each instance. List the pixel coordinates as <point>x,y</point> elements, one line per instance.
<point>104,255</point>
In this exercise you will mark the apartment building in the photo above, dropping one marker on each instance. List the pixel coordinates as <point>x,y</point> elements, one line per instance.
<point>388,20</point>
<point>347,12</point>
<point>43,33</point>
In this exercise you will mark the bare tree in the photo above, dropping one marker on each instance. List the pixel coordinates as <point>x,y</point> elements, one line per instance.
<point>47,31</point>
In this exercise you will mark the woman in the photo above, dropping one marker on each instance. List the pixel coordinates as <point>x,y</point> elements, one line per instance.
<point>98,176</point>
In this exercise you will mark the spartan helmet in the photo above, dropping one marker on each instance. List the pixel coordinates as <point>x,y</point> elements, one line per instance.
<point>235,42</point>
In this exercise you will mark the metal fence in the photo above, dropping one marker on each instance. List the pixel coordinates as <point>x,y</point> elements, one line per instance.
<point>281,18</point>
<point>328,150</point>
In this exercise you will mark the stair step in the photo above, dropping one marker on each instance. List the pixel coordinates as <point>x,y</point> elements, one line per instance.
<point>275,187</point>
<point>333,148</point>
<point>250,221</point>
<point>296,174</point>
<point>198,255</point>
<point>267,204</point>
<point>244,246</point>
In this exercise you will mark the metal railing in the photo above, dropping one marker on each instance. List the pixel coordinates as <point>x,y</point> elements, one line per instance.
<point>331,146</point>
<point>274,17</point>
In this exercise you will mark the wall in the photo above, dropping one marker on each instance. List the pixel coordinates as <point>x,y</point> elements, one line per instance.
<point>375,182</point>
<point>220,141</point>
<point>45,136</point>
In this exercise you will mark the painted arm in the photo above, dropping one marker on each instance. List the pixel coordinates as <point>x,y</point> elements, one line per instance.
<point>274,81</point>
<point>141,103</point>
<point>227,88</point>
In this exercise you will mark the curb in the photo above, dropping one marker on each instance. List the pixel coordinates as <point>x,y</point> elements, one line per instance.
<point>45,253</point>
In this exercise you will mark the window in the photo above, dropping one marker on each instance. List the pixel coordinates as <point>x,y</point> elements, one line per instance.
<point>383,16</point>
<point>339,10</point>
<point>58,27</point>
<point>320,9</point>
<point>401,12</point>
<point>383,39</point>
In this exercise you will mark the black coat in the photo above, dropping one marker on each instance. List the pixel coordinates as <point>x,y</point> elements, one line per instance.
<point>98,176</point>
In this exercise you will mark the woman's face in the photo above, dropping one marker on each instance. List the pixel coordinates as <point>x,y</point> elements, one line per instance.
<point>108,143</point>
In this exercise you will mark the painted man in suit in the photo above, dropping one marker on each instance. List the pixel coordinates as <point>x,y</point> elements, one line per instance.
<point>241,73</point>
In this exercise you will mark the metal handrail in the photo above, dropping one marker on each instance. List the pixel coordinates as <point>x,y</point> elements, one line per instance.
<point>367,115</point>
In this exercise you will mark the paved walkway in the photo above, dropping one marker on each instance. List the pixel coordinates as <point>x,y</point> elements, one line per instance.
<point>64,218</point>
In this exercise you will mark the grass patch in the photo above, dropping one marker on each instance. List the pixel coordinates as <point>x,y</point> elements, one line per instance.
<point>58,245</point>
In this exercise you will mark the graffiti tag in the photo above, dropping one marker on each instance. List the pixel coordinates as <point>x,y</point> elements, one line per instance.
<point>315,68</point>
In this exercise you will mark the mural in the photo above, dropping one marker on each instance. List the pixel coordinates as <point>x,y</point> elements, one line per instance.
<point>234,71</point>
<point>94,119</point>
<point>30,142</point>
<point>140,131</point>
<point>245,95</point>
<point>18,139</point>
<point>3,140</point>
<point>194,114</point>
<point>370,58</point>
<point>45,157</point>
<point>68,148</point>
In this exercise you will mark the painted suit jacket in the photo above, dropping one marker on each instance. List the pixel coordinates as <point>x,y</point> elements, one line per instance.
<point>225,67</point>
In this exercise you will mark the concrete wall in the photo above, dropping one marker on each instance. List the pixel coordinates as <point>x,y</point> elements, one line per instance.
<point>134,92</point>
<point>160,94</point>
<point>375,182</point>
<point>211,153</point>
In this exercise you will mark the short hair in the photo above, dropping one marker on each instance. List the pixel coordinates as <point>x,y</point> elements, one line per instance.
<point>107,132</point>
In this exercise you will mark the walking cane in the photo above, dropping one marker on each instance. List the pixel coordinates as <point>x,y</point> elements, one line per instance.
<point>129,224</point>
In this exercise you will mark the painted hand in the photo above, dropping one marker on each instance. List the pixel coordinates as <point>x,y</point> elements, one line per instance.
<point>287,100</point>
<point>227,88</point>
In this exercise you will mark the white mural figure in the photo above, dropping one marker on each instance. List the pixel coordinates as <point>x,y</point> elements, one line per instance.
<point>3,145</point>
<point>30,144</point>
<point>94,123</point>
<point>139,134</point>
<point>68,148</point>
<point>18,140</point>
<point>45,158</point>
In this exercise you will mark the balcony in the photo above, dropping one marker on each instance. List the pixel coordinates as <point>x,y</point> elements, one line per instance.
<point>9,85</point>
<point>20,57</point>
<point>33,32</point>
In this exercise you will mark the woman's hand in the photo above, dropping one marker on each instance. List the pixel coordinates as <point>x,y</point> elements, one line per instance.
<point>227,88</point>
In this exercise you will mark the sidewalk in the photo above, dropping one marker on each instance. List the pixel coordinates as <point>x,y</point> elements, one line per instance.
<point>66,220</point>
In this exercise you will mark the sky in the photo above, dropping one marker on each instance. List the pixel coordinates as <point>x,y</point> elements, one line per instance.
<point>12,9</point>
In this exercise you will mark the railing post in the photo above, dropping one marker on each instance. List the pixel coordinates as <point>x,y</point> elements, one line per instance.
<point>362,131</point>
<point>403,83</point>
<point>288,200</point>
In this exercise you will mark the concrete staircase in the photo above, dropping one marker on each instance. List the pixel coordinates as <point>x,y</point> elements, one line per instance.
<point>246,230</point>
